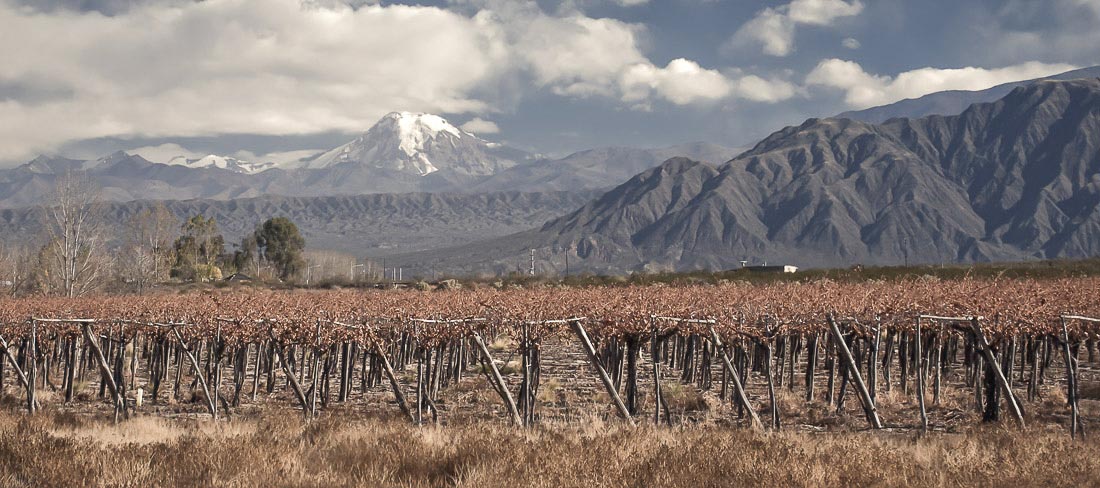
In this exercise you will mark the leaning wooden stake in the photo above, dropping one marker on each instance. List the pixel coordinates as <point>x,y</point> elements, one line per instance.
<point>279,354</point>
<point>211,402</point>
<point>853,369</point>
<point>998,375</point>
<point>738,388</point>
<point>14,363</point>
<point>498,381</point>
<point>619,405</point>
<point>397,393</point>
<point>105,371</point>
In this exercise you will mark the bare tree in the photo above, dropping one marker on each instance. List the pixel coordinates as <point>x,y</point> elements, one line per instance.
<point>74,252</point>
<point>147,251</point>
<point>16,268</point>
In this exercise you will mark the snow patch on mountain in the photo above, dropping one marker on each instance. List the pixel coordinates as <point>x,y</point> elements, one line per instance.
<point>222,162</point>
<point>176,155</point>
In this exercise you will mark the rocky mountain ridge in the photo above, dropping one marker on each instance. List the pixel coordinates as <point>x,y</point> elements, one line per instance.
<point>1015,179</point>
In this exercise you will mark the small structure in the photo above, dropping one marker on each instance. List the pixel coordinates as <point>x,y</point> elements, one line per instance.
<point>786,268</point>
<point>239,278</point>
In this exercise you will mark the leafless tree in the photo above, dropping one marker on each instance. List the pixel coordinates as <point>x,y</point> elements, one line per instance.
<point>16,268</point>
<point>147,252</point>
<point>75,248</point>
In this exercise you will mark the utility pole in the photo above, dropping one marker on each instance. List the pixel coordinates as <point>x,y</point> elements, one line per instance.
<point>905,249</point>
<point>532,271</point>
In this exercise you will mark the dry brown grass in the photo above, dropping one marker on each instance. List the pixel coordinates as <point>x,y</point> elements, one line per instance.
<point>282,450</point>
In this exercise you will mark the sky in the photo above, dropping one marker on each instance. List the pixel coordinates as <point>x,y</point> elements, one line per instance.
<point>276,79</point>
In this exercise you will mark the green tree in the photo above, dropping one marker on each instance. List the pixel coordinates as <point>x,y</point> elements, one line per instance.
<point>280,244</point>
<point>246,257</point>
<point>198,249</point>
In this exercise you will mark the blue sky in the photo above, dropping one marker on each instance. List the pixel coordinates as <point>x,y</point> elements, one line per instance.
<point>85,77</point>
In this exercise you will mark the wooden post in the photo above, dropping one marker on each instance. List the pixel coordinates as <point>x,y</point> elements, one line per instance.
<point>1071,383</point>
<point>811,366</point>
<point>579,329</point>
<point>853,369</point>
<point>938,367</point>
<point>260,348</point>
<point>888,359</point>
<point>656,373</point>
<point>419,386</point>
<point>772,403</point>
<point>872,365</point>
<point>70,370</point>
<point>920,381</point>
<point>32,368</point>
<point>999,377</point>
<point>830,364</point>
<point>633,344</point>
<point>498,381</point>
<point>738,388</point>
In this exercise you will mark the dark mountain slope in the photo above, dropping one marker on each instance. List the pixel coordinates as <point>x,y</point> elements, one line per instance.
<point>1013,179</point>
<point>368,225</point>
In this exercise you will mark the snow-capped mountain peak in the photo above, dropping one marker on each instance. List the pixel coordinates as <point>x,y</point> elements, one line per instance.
<point>419,144</point>
<point>222,162</point>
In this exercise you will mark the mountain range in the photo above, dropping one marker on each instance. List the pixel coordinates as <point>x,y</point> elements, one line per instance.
<point>402,153</point>
<point>1015,179</point>
<point>363,225</point>
<point>1009,178</point>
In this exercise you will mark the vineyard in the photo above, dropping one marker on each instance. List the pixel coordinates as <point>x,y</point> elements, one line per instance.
<point>1006,342</point>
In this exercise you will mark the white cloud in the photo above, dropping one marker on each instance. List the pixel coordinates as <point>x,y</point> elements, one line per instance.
<point>862,89</point>
<point>684,82</point>
<point>282,67</point>
<point>773,29</point>
<point>576,55</point>
<point>237,66</point>
<point>822,12</point>
<point>681,82</point>
<point>851,43</point>
<point>284,159</point>
<point>583,57</point>
<point>1052,29</point>
<point>165,152</point>
<point>631,3</point>
<point>481,126</point>
<point>758,89</point>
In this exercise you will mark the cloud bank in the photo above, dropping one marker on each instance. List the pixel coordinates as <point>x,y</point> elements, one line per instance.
<point>278,67</point>
<point>862,89</point>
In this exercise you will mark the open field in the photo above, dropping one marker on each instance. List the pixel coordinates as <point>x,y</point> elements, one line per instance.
<point>284,450</point>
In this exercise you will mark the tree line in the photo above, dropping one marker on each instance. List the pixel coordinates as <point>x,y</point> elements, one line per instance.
<point>77,253</point>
